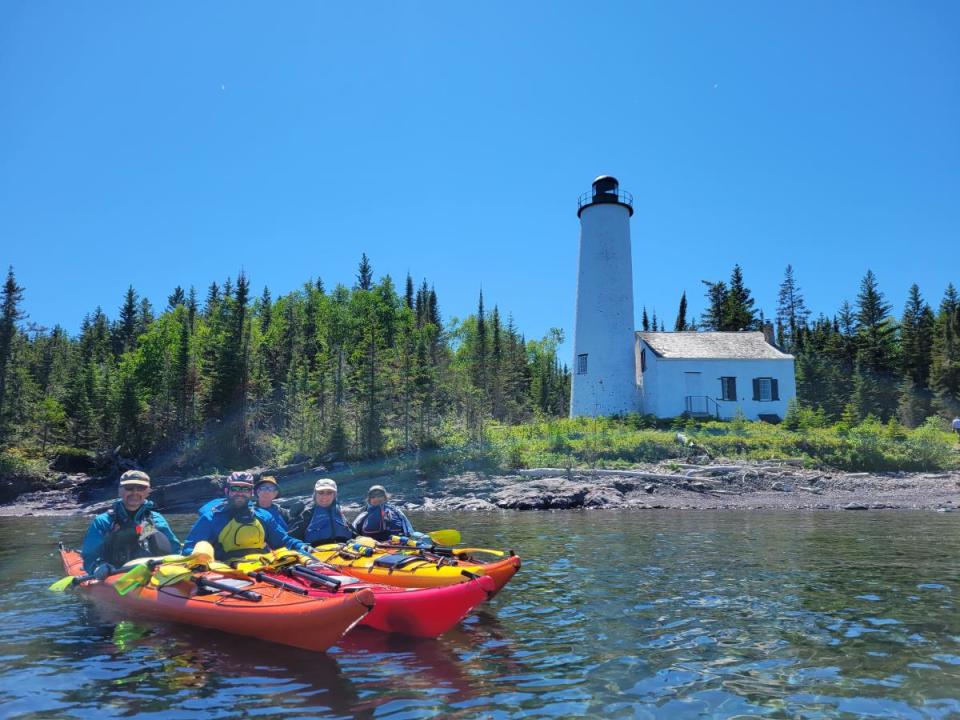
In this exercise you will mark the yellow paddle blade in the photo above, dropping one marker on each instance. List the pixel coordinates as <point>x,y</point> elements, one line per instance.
<point>135,578</point>
<point>62,584</point>
<point>445,537</point>
<point>170,574</point>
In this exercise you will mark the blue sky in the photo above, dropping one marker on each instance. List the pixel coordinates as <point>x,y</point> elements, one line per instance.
<point>175,143</point>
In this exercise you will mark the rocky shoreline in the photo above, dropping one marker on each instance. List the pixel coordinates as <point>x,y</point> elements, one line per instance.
<point>718,485</point>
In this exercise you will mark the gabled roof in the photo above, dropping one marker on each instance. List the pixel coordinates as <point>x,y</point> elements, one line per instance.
<point>712,345</point>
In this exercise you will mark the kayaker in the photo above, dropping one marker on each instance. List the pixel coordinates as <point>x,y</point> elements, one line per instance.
<point>322,521</point>
<point>128,530</point>
<point>265,491</point>
<point>236,527</point>
<point>381,519</point>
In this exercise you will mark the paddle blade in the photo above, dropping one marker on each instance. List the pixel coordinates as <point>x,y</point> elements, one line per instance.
<point>63,583</point>
<point>171,575</point>
<point>445,537</point>
<point>470,551</point>
<point>135,578</point>
<point>202,553</point>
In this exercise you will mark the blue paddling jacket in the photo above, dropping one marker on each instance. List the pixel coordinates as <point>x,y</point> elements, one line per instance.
<point>381,521</point>
<point>237,533</point>
<point>116,536</point>
<point>319,526</point>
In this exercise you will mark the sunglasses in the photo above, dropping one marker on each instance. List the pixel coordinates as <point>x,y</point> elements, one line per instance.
<point>326,492</point>
<point>267,488</point>
<point>239,489</point>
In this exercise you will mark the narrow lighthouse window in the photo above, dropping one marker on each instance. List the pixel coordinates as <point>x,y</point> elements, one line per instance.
<point>582,364</point>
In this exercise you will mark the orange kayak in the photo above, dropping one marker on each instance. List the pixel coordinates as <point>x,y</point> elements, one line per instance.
<point>280,616</point>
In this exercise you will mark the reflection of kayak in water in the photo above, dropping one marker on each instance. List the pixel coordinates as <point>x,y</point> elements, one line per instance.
<point>279,616</point>
<point>413,569</point>
<point>421,612</point>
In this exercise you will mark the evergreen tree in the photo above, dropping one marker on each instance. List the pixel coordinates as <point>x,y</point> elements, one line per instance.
<point>408,295</point>
<point>128,323</point>
<point>875,352</point>
<point>945,355</point>
<point>738,312</point>
<point>792,312</point>
<point>10,314</point>
<point>715,314</point>
<point>680,325</point>
<point>177,297</point>
<point>653,321</point>
<point>644,320</point>
<point>365,273</point>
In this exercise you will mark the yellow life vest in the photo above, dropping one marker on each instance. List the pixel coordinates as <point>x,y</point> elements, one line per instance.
<point>241,538</point>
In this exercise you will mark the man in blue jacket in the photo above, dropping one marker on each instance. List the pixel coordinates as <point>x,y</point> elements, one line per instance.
<point>130,529</point>
<point>235,527</point>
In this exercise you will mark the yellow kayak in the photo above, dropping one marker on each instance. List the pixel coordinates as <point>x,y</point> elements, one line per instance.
<point>404,569</point>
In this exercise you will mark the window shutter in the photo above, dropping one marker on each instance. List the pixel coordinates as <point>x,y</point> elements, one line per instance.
<point>756,388</point>
<point>774,391</point>
<point>733,388</point>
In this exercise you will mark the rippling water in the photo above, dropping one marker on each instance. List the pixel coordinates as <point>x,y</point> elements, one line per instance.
<point>614,615</point>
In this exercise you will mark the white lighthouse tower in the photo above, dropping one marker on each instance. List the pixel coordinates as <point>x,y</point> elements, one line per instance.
<point>604,365</point>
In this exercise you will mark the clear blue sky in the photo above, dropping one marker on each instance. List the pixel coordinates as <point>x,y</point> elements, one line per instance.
<point>175,143</point>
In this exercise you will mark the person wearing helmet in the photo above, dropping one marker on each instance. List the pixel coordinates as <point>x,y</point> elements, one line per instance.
<point>380,519</point>
<point>322,521</point>
<point>236,527</point>
<point>128,530</point>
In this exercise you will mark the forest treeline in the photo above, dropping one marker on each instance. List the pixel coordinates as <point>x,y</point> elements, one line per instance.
<point>356,372</point>
<point>861,362</point>
<point>232,379</point>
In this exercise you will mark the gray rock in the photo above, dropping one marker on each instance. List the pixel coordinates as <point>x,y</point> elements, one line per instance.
<point>856,506</point>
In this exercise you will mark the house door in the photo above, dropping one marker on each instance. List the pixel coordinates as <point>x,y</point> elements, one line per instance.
<point>695,402</point>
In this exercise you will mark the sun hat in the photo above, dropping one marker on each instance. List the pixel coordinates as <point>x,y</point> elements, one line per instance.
<point>266,480</point>
<point>325,484</point>
<point>133,478</point>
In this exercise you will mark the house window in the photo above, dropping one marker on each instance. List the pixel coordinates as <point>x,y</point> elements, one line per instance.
<point>643,360</point>
<point>765,389</point>
<point>582,364</point>
<point>728,388</point>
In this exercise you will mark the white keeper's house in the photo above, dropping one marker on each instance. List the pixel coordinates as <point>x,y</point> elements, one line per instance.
<point>617,370</point>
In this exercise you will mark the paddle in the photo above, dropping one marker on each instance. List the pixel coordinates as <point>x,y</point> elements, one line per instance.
<point>140,575</point>
<point>173,574</point>
<point>445,537</point>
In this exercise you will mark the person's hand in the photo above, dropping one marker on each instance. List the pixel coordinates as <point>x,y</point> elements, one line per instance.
<point>101,571</point>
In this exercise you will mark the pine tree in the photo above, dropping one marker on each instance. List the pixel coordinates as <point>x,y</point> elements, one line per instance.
<point>645,321</point>
<point>714,316</point>
<point>653,321</point>
<point>10,315</point>
<point>876,361</point>
<point>365,273</point>
<point>408,295</point>
<point>480,350</point>
<point>738,312</point>
<point>126,331</point>
<point>680,325</point>
<point>792,312</point>
<point>177,297</point>
<point>945,355</point>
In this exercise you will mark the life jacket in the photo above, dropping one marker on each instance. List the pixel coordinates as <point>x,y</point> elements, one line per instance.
<point>243,534</point>
<point>327,525</point>
<point>131,537</point>
<point>381,521</point>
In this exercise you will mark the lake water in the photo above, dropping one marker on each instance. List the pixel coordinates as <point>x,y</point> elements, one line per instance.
<point>613,615</point>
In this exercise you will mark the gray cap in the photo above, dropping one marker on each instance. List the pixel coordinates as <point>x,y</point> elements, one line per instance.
<point>325,484</point>
<point>375,488</point>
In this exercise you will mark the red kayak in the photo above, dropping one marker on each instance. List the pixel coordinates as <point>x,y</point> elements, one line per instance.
<point>280,616</point>
<point>421,612</point>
